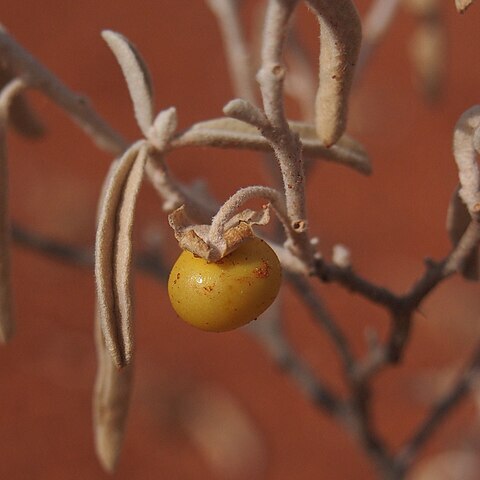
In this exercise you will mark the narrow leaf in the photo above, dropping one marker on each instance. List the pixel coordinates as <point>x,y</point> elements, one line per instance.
<point>232,133</point>
<point>123,251</point>
<point>113,252</point>
<point>340,37</point>
<point>111,399</point>
<point>137,76</point>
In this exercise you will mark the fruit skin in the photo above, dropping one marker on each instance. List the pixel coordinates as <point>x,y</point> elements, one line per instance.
<point>227,294</point>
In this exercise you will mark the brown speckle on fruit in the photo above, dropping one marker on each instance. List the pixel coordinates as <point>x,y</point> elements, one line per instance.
<point>263,271</point>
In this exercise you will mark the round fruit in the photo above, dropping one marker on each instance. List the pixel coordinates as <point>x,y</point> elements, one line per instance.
<point>227,294</point>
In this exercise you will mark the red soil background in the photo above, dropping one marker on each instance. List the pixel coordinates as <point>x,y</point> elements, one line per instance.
<point>391,221</point>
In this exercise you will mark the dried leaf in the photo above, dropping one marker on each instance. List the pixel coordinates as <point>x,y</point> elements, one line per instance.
<point>458,219</point>
<point>111,399</point>
<point>113,253</point>
<point>232,133</point>
<point>462,5</point>
<point>340,38</point>
<point>137,76</point>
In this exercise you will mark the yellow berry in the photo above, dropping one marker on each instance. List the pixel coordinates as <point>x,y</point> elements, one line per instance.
<point>227,294</point>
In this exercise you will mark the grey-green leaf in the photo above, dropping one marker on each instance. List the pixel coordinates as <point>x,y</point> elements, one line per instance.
<point>113,253</point>
<point>233,133</point>
<point>137,76</point>
<point>111,400</point>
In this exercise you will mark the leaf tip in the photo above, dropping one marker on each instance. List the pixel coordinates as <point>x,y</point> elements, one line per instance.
<point>108,448</point>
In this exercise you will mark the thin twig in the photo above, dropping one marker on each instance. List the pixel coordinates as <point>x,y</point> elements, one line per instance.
<point>284,142</point>
<point>348,278</point>
<point>146,261</point>
<point>436,272</point>
<point>233,35</point>
<point>375,25</point>
<point>321,316</point>
<point>7,96</point>
<point>239,198</point>
<point>270,333</point>
<point>307,381</point>
<point>357,420</point>
<point>439,411</point>
<point>270,76</point>
<point>401,307</point>
<point>75,255</point>
<point>35,75</point>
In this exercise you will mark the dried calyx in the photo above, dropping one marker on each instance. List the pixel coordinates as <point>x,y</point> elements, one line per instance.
<point>231,225</point>
<point>203,242</point>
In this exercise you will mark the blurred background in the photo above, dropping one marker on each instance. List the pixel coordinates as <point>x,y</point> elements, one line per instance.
<point>207,405</point>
